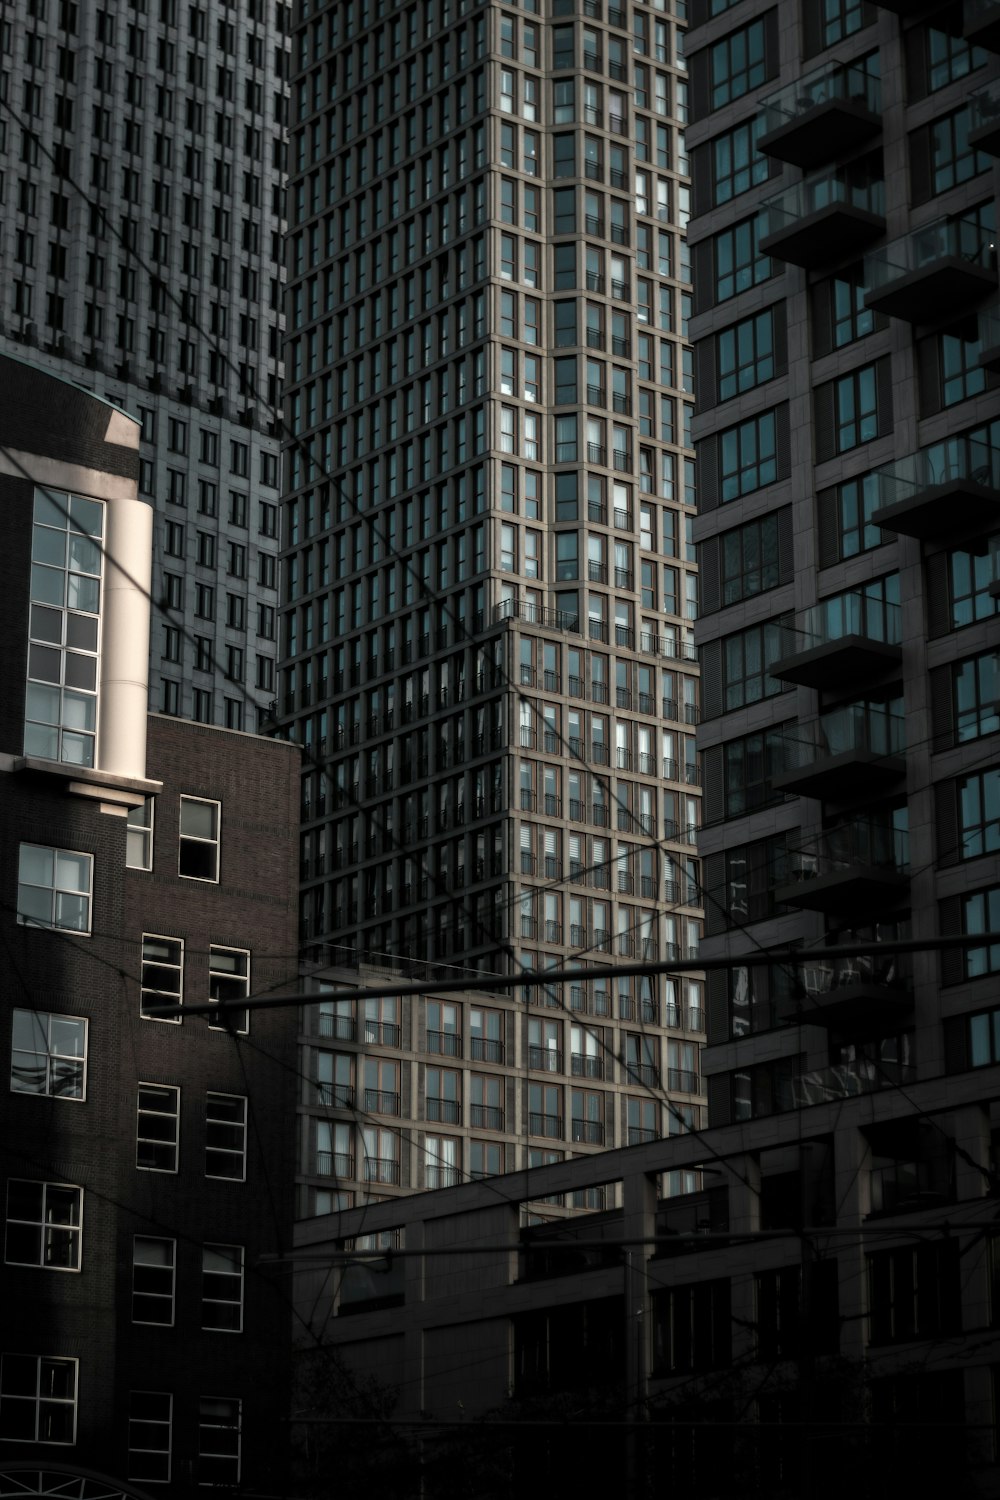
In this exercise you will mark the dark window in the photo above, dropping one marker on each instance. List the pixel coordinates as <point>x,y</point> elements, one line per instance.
<point>738,261</point>
<point>746,658</point>
<point>738,63</point>
<point>745,357</point>
<point>979,814</point>
<point>748,456</point>
<point>736,163</point>
<point>845,523</point>
<point>750,559</point>
<point>914,1292</point>
<point>692,1327</point>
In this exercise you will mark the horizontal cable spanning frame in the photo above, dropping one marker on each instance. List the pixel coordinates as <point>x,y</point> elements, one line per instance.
<point>786,954</point>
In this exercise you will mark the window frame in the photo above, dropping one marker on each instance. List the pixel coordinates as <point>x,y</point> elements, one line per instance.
<point>71,1233</point>
<point>25,919</point>
<point>173,1146</point>
<point>234,1256</point>
<point>199,840</point>
<point>140,832</point>
<point>163,996</point>
<point>228,1151</point>
<point>158,1299</point>
<point>217,978</point>
<point>136,1422</point>
<point>34,1018</point>
<point>38,1401</point>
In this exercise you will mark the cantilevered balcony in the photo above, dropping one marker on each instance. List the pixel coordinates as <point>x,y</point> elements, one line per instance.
<point>984,127</point>
<point>825,218</point>
<point>981,23</point>
<point>855,750</point>
<point>989,337</point>
<point>856,992</point>
<point>849,638</point>
<point>949,489</point>
<point>826,114</point>
<point>845,1080</point>
<point>858,867</point>
<point>933,275</point>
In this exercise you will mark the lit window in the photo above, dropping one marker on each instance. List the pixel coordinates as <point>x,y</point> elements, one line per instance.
<point>48,1054</point>
<point>37,1399</point>
<point>139,838</point>
<point>153,1263</point>
<point>222,1287</point>
<point>54,888</point>
<point>61,698</point>
<point>199,839</point>
<point>44,1225</point>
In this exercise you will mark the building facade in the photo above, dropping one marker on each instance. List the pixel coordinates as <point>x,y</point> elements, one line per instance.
<point>142,153</point>
<point>145,862</point>
<point>490,581</point>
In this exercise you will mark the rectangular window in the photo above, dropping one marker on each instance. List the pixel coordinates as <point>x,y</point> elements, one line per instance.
<point>226,1136</point>
<point>845,512</point>
<point>969,577</point>
<point>139,837</point>
<point>54,888</point>
<point>749,767</point>
<point>748,456</point>
<point>48,1054</point>
<point>738,63</point>
<point>219,1440</point>
<point>158,1108</point>
<point>198,856</point>
<point>981,913</point>
<point>44,1225</point>
<point>222,1288</point>
<point>162,980</point>
<point>150,1415</point>
<point>736,164</point>
<point>750,559</point>
<point>692,1328</point>
<point>952,159</point>
<point>746,658</point>
<point>745,355</point>
<point>37,1399</point>
<point>979,814</point>
<point>855,408</point>
<point>66,579</point>
<point>228,981</point>
<point>976,686</point>
<point>914,1292</point>
<point>153,1266</point>
<point>738,261</point>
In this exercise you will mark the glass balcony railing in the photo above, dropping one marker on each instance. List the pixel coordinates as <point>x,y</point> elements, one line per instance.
<point>945,489</point>
<point>863,988</point>
<point>848,1079</point>
<point>942,268</point>
<point>984,127</point>
<point>823,217</point>
<point>849,636</point>
<point>828,756</point>
<point>860,865</point>
<point>827,112</point>
<point>989,337</point>
<point>981,23</point>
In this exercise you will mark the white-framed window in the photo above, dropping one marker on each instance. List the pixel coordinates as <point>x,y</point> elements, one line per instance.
<point>198,854</point>
<point>162,981</point>
<point>153,1271</point>
<point>54,888</point>
<point>158,1112</point>
<point>48,1054</point>
<point>38,1398</point>
<point>222,1288</point>
<point>139,837</point>
<point>44,1225</point>
<point>226,1136</point>
<point>229,980</point>
<point>150,1418</point>
<point>219,1439</point>
<point>63,631</point>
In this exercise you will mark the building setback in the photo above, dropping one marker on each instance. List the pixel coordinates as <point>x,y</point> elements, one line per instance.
<point>143,156</point>
<point>489,580</point>
<point>146,1163</point>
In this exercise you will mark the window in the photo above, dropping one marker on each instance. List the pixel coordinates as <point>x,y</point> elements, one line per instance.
<point>229,980</point>
<point>219,1438</point>
<point>981,913</point>
<point>747,656</point>
<point>736,164</point>
<point>976,686</point>
<point>222,1288</point>
<point>738,63</point>
<point>443,1166</point>
<point>914,1292</point>
<point>162,981</point>
<point>856,408</point>
<point>139,836</point>
<point>978,815</point>
<point>960,374</point>
<point>54,888</point>
<point>969,578</point>
<point>749,765</point>
<point>153,1266</point>
<point>692,1328</point>
<point>750,559</point>
<point>48,1054</point>
<point>44,1225</point>
<point>745,355</point>
<point>158,1108</point>
<point>198,856</point>
<point>845,515</point>
<point>226,1136</point>
<point>738,261</point>
<point>952,159</point>
<point>37,1399</point>
<point>748,456</point>
<point>150,1414</point>
<point>66,568</point>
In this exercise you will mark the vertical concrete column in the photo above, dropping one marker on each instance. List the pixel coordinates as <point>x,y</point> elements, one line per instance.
<point>124,680</point>
<point>638,1223</point>
<point>412,1395</point>
<point>743,1181</point>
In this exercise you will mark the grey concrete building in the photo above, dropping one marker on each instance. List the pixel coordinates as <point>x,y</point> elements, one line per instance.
<point>490,580</point>
<point>142,164</point>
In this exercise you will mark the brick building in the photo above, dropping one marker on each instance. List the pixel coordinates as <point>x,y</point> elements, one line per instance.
<point>146,1162</point>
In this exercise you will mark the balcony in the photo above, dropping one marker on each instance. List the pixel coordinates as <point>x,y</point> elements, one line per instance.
<point>445,1043</point>
<point>827,113</point>
<point>858,867</point>
<point>984,132</point>
<point>486,1049</point>
<point>981,24</point>
<point>854,750</point>
<point>950,489</point>
<point>849,638</point>
<point>859,991</point>
<point>582,1065</point>
<point>847,1080</point>
<point>589,1131</point>
<point>485,1117</point>
<point>550,1126</point>
<point>823,219</point>
<point>545,1059</point>
<point>933,275</point>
